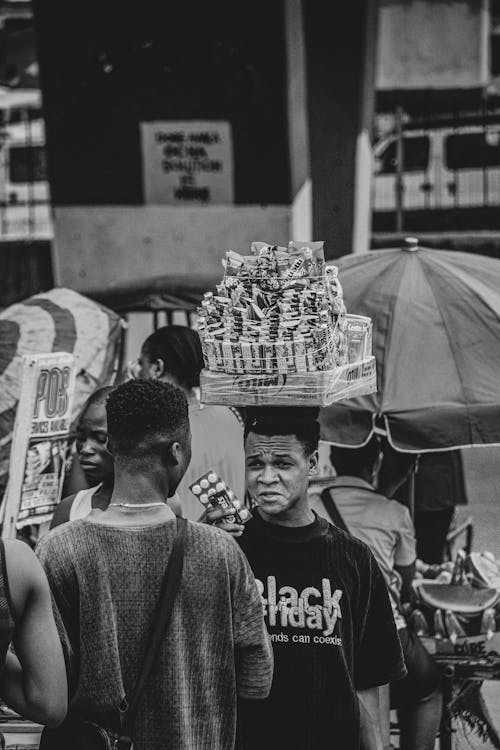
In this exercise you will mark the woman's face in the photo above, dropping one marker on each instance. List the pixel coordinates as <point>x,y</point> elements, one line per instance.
<point>91,444</point>
<point>145,369</point>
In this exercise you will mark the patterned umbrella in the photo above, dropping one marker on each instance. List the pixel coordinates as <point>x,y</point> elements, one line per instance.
<point>58,321</point>
<point>436,339</point>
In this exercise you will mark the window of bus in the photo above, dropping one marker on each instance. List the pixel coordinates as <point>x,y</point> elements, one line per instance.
<point>27,164</point>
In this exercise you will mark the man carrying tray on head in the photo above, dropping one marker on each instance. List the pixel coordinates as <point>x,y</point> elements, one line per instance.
<point>325,601</point>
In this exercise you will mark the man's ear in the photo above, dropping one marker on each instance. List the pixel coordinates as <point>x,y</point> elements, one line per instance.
<point>157,368</point>
<point>174,453</point>
<point>109,447</point>
<point>314,462</point>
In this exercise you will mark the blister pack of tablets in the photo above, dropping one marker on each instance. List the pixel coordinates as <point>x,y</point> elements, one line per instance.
<point>212,491</point>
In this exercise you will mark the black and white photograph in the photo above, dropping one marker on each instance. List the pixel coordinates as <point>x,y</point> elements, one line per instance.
<point>250,375</point>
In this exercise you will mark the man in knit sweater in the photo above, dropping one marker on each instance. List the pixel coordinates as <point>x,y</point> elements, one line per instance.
<point>325,602</point>
<point>105,573</point>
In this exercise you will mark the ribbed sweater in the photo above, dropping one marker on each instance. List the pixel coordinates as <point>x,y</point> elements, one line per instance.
<point>106,580</point>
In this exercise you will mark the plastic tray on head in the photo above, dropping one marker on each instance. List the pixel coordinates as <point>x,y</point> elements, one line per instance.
<point>308,389</point>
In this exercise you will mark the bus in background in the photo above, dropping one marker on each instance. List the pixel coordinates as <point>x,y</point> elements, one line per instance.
<point>24,189</point>
<point>441,175</point>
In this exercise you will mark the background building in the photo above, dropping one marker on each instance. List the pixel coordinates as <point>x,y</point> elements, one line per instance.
<point>173,132</point>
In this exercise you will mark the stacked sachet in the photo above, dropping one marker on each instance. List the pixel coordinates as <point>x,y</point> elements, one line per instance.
<point>279,310</point>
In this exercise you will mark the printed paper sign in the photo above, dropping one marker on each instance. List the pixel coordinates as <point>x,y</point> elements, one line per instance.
<point>186,163</point>
<point>40,440</point>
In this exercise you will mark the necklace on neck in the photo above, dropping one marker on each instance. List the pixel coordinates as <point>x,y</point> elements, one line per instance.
<point>137,506</point>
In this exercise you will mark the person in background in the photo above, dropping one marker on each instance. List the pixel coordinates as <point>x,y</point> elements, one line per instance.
<point>173,354</point>
<point>95,461</point>
<point>352,502</point>
<point>439,488</point>
<point>33,681</point>
<point>106,571</point>
<point>325,601</point>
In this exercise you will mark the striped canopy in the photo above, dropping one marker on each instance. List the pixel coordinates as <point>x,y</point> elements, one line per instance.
<point>57,321</point>
<point>436,339</point>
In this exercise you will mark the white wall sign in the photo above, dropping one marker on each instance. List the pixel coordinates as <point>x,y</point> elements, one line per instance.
<point>186,163</point>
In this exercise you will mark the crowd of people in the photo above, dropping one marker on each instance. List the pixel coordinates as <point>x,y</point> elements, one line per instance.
<point>285,632</point>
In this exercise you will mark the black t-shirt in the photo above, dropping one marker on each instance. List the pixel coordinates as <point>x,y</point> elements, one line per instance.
<point>328,613</point>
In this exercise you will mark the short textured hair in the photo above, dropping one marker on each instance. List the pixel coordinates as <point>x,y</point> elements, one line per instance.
<point>302,422</point>
<point>179,347</point>
<point>141,413</point>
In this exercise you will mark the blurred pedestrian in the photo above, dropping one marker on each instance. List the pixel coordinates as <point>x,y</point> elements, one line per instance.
<point>95,460</point>
<point>439,488</point>
<point>173,354</point>
<point>352,503</point>
<point>106,573</point>
<point>33,679</point>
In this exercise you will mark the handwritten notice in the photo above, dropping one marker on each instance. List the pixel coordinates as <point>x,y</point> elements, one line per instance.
<point>186,163</point>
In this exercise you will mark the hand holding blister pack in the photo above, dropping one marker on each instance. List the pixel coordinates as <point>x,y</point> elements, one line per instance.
<point>214,494</point>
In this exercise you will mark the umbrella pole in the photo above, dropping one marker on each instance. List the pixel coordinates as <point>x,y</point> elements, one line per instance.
<point>411,489</point>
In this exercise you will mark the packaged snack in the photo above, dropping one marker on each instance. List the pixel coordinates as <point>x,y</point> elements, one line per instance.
<point>227,355</point>
<point>209,353</point>
<point>289,353</point>
<point>212,491</point>
<point>358,331</point>
<point>232,263</point>
<point>238,357</point>
<point>317,254</point>
<point>300,353</point>
<point>246,352</point>
<point>256,357</point>
<point>277,312</point>
<point>281,363</point>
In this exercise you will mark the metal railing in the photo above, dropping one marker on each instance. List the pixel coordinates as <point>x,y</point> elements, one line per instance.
<point>439,173</point>
<point>25,211</point>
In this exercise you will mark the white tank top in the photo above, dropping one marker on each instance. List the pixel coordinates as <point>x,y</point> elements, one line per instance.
<point>82,504</point>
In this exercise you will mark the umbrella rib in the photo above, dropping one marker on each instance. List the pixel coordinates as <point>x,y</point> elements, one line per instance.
<point>390,331</point>
<point>447,331</point>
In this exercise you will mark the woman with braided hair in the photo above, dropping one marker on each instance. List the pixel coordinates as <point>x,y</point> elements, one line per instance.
<point>173,354</point>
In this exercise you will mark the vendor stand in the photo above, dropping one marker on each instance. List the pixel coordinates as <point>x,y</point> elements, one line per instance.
<point>56,348</point>
<point>436,339</point>
<point>60,320</point>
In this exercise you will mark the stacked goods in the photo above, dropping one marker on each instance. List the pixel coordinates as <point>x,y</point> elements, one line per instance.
<point>213,492</point>
<point>275,311</point>
<point>278,316</point>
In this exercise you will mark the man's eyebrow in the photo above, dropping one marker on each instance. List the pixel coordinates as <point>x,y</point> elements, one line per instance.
<point>277,454</point>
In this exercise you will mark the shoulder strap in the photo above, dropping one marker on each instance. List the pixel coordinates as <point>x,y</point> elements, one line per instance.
<point>354,487</point>
<point>161,622</point>
<point>332,510</point>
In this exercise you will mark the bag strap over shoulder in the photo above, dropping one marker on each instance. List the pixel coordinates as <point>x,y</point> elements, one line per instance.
<point>332,509</point>
<point>163,615</point>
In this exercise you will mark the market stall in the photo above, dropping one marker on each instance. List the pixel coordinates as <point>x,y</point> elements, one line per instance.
<point>67,324</point>
<point>436,339</point>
